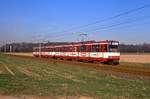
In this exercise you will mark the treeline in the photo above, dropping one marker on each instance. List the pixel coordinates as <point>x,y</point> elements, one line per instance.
<point>28,47</point>
<point>25,47</point>
<point>141,48</point>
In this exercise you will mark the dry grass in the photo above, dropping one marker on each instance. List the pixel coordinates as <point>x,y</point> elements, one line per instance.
<point>136,58</point>
<point>21,54</point>
<point>45,97</point>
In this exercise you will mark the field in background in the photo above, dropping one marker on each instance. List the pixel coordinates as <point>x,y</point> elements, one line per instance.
<point>20,54</point>
<point>128,57</point>
<point>29,76</point>
<point>135,57</point>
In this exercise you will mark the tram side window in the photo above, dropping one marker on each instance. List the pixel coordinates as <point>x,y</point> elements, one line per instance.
<point>53,49</point>
<point>70,49</point>
<point>89,49</point>
<point>57,49</point>
<point>42,49</point>
<point>103,48</point>
<point>49,49</point>
<point>78,48</point>
<point>74,49</point>
<point>61,49</point>
<point>36,49</point>
<point>45,49</point>
<point>65,49</point>
<point>83,48</point>
<point>95,48</point>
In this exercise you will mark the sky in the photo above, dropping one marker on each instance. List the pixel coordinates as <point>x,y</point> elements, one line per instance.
<point>59,20</point>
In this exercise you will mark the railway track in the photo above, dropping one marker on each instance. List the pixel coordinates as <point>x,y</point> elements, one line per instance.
<point>121,68</point>
<point>138,71</point>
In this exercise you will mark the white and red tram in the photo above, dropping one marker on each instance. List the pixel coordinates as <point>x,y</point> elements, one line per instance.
<point>102,51</point>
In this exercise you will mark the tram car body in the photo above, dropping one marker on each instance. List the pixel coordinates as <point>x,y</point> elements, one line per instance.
<point>101,51</point>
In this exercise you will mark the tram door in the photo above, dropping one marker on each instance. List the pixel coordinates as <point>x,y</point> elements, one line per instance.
<point>103,49</point>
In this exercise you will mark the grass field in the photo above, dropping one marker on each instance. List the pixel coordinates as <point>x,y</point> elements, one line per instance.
<point>135,57</point>
<point>26,76</point>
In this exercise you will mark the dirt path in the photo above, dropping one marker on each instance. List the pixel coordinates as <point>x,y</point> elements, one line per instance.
<point>8,69</point>
<point>44,97</point>
<point>9,97</point>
